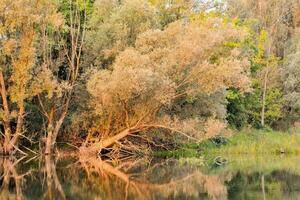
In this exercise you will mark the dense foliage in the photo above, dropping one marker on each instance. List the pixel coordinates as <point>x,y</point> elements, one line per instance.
<point>120,73</point>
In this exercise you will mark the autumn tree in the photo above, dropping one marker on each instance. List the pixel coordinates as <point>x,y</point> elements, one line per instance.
<point>164,66</point>
<point>59,68</point>
<point>18,24</point>
<point>272,24</point>
<point>276,17</point>
<point>113,26</point>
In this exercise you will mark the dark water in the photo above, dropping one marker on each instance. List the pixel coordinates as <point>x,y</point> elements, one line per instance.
<point>243,177</point>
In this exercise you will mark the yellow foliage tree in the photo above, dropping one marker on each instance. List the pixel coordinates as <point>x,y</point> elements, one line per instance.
<point>163,66</point>
<point>18,22</point>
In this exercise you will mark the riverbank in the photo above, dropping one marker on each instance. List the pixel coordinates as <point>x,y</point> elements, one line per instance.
<point>245,142</point>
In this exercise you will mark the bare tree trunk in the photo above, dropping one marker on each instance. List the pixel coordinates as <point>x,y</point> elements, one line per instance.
<point>19,128</point>
<point>58,126</point>
<point>97,147</point>
<point>73,54</point>
<point>264,98</point>
<point>263,186</point>
<point>49,141</point>
<point>52,134</point>
<point>6,120</point>
<point>93,149</point>
<point>53,130</point>
<point>9,141</point>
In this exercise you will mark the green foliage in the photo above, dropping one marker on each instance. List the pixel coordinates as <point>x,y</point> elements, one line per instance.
<point>245,109</point>
<point>291,73</point>
<point>170,11</point>
<point>113,26</point>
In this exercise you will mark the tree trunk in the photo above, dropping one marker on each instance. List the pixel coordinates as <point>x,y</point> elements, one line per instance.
<point>264,98</point>
<point>19,128</point>
<point>48,145</point>
<point>52,132</point>
<point>263,186</point>
<point>7,143</point>
<point>6,121</point>
<point>95,148</point>
<point>58,126</point>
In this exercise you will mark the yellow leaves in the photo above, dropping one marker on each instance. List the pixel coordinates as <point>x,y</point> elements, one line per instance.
<point>20,19</point>
<point>14,114</point>
<point>214,127</point>
<point>9,46</point>
<point>56,19</point>
<point>115,26</point>
<point>23,61</point>
<point>199,129</point>
<point>183,53</point>
<point>44,81</point>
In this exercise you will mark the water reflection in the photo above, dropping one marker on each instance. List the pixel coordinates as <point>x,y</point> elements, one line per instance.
<point>163,180</point>
<point>8,173</point>
<point>54,189</point>
<point>92,178</point>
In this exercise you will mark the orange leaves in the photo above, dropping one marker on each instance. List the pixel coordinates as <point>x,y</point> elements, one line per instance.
<point>9,46</point>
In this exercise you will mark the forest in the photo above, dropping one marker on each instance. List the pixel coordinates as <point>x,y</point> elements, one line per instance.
<point>124,77</point>
<point>149,99</point>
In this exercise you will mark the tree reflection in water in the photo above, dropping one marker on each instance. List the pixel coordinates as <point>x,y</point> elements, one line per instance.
<point>91,178</point>
<point>87,178</point>
<point>134,180</point>
<point>9,175</point>
<point>54,188</point>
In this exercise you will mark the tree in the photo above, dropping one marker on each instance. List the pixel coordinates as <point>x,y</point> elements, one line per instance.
<point>164,66</point>
<point>18,22</point>
<point>114,25</point>
<point>276,17</point>
<point>291,81</point>
<point>274,24</point>
<point>59,68</point>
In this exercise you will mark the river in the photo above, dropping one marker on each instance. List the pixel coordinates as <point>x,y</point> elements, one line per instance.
<point>242,177</point>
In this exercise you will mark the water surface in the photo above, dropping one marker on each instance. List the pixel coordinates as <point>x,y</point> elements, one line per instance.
<point>241,178</point>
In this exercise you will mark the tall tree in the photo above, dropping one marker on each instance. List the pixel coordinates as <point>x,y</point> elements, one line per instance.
<point>59,69</point>
<point>114,25</point>
<point>163,66</point>
<point>276,19</point>
<point>18,24</point>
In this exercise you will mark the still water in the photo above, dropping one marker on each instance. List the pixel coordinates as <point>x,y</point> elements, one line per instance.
<point>241,178</point>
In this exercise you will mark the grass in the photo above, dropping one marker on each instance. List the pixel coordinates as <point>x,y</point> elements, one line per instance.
<point>185,151</point>
<point>259,142</point>
<point>252,142</point>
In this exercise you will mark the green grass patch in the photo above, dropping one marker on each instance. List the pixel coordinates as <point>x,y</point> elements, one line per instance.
<point>182,152</point>
<point>259,142</point>
<point>254,142</point>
